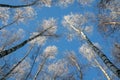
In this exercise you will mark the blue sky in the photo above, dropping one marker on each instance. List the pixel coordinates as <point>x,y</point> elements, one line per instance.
<point>62,43</point>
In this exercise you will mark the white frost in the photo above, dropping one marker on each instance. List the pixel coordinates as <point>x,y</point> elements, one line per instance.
<point>85,2</point>
<point>50,51</point>
<point>89,29</point>
<point>51,24</point>
<point>24,14</point>
<point>58,68</point>
<point>39,40</point>
<point>65,3</point>
<point>4,15</point>
<point>87,52</point>
<point>76,20</point>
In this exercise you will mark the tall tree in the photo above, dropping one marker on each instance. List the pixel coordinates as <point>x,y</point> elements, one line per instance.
<point>90,24</point>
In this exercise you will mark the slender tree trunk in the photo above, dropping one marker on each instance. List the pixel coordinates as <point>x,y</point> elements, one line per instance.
<point>72,58</point>
<point>5,76</point>
<point>80,72</point>
<point>104,72</point>
<point>40,68</point>
<point>37,53</point>
<point>104,58</point>
<point>6,52</point>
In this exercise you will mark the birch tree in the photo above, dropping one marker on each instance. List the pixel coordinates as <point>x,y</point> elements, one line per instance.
<point>34,39</point>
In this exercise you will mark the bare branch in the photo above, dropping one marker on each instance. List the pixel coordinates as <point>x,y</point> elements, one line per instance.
<point>6,75</point>
<point>18,6</point>
<point>33,63</point>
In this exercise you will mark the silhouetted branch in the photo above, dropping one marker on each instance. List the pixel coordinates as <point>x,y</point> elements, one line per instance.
<point>37,53</point>
<point>72,58</point>
<point>6,75</point>
<point>40,68</point>
<point>18,6</point>
<point>4,26</point>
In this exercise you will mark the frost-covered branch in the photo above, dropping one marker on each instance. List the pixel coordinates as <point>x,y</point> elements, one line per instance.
<point>104,58</point>
<point>49,27</point>
<point>87,52</point>
<point>73,60</point>
<point>14,67</point>
<point>8,51</point>
<point>101,68</point>
<point>49,52</point>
